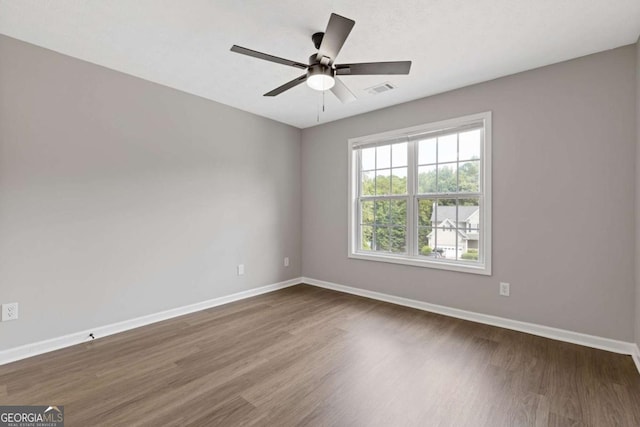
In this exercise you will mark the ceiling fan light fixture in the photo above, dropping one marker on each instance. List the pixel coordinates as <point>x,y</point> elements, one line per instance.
<point>320,77</point>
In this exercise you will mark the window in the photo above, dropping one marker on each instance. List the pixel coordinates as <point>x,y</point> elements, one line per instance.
<point>422,196</point>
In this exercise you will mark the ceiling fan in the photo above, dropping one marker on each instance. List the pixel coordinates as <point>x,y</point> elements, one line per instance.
<point>322,71</point>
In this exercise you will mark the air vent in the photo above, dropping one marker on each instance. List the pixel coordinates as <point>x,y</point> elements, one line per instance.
<point>383,87</point>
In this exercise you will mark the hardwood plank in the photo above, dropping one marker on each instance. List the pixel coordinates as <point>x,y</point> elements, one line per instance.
<point>311,356</point>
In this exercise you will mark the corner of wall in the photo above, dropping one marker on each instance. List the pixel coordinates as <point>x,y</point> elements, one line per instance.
<point>637,252</point>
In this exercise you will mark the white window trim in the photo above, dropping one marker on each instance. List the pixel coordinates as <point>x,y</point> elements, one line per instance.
<point>485,213</point>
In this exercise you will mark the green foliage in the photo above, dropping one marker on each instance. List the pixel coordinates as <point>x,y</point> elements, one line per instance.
<point>445,181</point>
<point>425,209</point>
<point>383,185</point>
<point>468,174</point>
<point>470,255</point>
<point>384,222</point>
<point>472,251</point>
<point>426,250</point>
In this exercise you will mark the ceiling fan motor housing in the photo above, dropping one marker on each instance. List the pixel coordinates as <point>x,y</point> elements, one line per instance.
<point>317,39</point>
<point>322,74</point>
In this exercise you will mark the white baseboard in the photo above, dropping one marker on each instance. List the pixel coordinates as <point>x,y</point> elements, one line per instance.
<point>608,344</point>
<point>34,349</point>
<point>636,356</point>
<point>29,350</point>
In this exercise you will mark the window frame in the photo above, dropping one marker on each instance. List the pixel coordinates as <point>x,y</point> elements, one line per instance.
<point>412,257</point>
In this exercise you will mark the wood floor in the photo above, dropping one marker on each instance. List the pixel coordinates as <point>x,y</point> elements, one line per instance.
<point>310,356</point>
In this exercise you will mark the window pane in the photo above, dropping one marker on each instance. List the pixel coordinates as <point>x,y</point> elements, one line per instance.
<point>368,158</point>
<point>383,181</point>
<point>426,237</point>
<point>469,177</point>
<point>366,239</point>
<point>398,212</point>
<point>446,213</point>
<point>470,145</point>
<point>383,157</point>
<point>448,148</point>
<point>469,213</point>
<point>445,243</point>
<point>468,250</point>
<point>446,226</point>
<point>469,223</point>
<point>398,239</point>
<point>426,240</point>
<point>399,155</point>
<point>471,201</point>
<point>425,212</point>
<point>382,212</point>
<point>447,178</point>
<point>399,181</point>
<point>368,184</point>
<point>470,255</point>
<point>427,151</point>
<point>383,241</point>
<point>427,179</point>
<point>366,212</point>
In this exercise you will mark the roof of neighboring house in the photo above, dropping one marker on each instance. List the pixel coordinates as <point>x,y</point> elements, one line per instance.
<point>449,212</point>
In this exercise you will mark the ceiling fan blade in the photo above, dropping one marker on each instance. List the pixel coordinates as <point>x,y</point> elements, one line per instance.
<point>293,83</point>
<point>267,57</point>
<point>334,37</point>
<point>342,92</point>
<point>396,67</point>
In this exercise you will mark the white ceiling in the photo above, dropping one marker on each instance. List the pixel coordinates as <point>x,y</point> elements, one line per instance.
<point>452,43</point>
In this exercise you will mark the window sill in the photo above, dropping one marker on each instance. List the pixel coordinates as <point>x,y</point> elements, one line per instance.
<point>419,262</point>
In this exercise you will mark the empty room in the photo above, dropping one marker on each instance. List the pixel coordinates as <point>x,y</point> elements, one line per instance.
<point>327,213</point>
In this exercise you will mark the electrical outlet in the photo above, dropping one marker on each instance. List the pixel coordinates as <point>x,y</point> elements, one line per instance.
<point>286,261</point>
<point>240,269</point>
<point>504,289</point>
<point>10,311</point>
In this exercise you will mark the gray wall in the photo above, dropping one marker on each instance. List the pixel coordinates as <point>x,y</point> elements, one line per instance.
<point>120,197</point>
<point>564,141</point>
<point>637,324</point>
